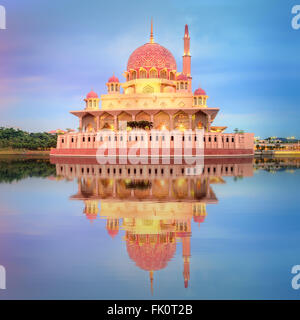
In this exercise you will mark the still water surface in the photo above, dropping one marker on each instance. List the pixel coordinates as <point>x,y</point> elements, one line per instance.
<point>78,230</point>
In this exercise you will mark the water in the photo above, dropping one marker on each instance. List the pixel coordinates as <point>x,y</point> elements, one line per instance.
<point>225,234</point>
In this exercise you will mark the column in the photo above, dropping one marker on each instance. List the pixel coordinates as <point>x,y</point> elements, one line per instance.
<point>190,121</point>
<point>98,123</point>
<point>80,124</point>
<point>116,122</point>
<point>171,122</point>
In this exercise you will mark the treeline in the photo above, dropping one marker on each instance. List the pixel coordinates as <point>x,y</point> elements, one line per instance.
<point>21,169</point>
<point>19,139</point>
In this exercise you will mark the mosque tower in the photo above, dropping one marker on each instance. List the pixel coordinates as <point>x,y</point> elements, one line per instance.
<point>186,68</point>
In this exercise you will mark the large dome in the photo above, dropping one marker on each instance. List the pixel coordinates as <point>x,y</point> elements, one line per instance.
<point>151,55</point>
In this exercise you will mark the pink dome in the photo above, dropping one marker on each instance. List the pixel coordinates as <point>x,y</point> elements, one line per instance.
<point>113,79</point>
<point>182,77</point>
<point>199,92</point>
<point>151,55</point>
<point>92,95</point>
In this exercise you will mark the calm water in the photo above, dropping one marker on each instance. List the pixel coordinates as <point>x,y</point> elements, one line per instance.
<point>78,230</point>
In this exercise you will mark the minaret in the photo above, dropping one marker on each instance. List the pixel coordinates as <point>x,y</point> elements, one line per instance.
<point>186,68</point>
<point>151,32</point>
<point>186,254</point>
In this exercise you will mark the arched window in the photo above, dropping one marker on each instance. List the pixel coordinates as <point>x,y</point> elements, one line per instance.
<point>200,101</point>
<point>143,74</point>
<point>116,87</point>
<point>153,73</point>
<point>133,75</point>
<point>95,103</point>
<point>90,103</point>
<point>112,87</point>
<point>186,86</point>
<point>163,74</point>
<point>195,101</point>
<point>181,85</point>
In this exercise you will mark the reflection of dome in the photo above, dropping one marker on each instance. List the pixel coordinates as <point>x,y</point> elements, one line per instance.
<point>151,257</point>
<point>199,92</point>
<point>151,55</point>
<point>113,233</point>
<point>113,79</point>
<point>92,95</point>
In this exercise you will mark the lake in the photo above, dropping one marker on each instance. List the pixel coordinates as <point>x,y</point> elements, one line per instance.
<point>76,229</point>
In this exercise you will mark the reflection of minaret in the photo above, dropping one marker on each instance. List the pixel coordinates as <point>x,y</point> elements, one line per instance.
<point>151,280</point>
<point>186,253</point>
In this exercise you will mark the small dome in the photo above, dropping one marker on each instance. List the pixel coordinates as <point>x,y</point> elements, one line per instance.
<point>113,79</point>
<point>182,77</point>
<point>199,92</point>
<point>92,95</point>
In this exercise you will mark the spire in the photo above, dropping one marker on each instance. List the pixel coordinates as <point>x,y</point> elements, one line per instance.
<point>186,31</point>
<point>151,281</point>
<point>151,33</point>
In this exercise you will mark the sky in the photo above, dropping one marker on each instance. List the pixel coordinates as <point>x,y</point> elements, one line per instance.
<point>245,54</point>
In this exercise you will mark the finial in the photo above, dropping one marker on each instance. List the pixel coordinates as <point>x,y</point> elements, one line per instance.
<point>151,280</point>
<point>186,31</point>
<point>151,33</point>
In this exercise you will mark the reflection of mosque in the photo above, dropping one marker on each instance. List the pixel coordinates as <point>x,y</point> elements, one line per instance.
<point>153,204</point>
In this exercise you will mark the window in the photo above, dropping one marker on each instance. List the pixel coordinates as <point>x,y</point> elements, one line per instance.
<point>172,138</point>
<point>62,141</point>
<point>156,138</point>
<point>177,85</point>
<point>171,171</point>
<point>209,139</point>
<point>186,86</point>
<point>163,74</point>
<point>120,171</point>
<point>129,138</point>
<point>227,139</point>
<point>83,139</point>
<point>195,101</point>
<point>215,139</point>
<point>89,139</point>
<point>133,75</point>
<point>153,74</point>
<point>112,87</point>
<point>181,85</point>
<point>72,140</point>
<point>149,171</point>
<point>128,171</point>
<point>143,74</point>
<point>142,138</point>
<point>232,139</point>
<point>121,138</point>
<point>136,139</point>
<point>172,76</point>
<point>195,138</point>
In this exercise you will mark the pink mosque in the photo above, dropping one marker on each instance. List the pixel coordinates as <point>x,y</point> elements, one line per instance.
<point>155,92</point>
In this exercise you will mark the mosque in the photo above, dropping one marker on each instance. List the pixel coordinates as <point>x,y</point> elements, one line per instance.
<point>154,95</point>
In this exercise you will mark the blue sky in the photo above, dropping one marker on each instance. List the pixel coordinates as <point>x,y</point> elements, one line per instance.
<point>245,54</point>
